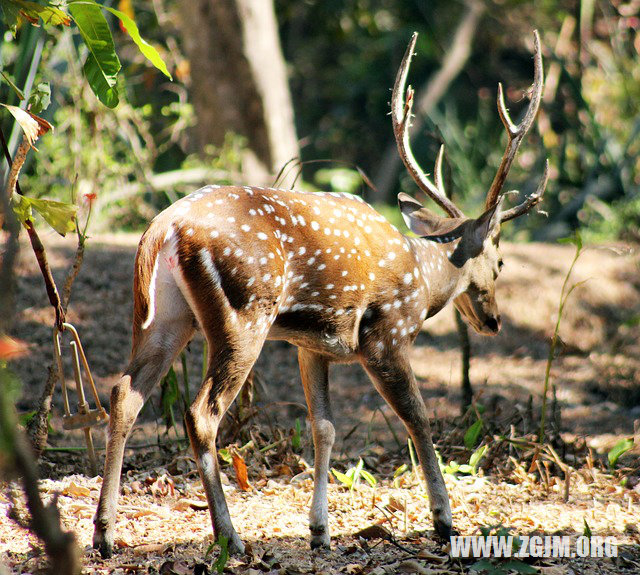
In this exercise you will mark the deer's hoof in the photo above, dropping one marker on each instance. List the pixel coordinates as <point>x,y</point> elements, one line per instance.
<point>320,537</point>
<point>443,529</point>
<point>103,543</point>
<point>236,546</point>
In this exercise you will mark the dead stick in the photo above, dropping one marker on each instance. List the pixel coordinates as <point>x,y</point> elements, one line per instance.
<point>36,244</point>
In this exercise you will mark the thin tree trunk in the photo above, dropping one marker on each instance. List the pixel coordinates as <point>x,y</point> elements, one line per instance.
<point>239,82</point>
<point>453,63</point>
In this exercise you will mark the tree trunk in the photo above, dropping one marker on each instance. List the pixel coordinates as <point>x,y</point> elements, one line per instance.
<point>239,82</point>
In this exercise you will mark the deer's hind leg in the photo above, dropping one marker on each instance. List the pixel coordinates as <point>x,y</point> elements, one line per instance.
<point>230,363</point>
<point>314,372</point>
<point>154,350</point>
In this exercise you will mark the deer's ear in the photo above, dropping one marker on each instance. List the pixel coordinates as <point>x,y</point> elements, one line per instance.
<point>487,225</point>
<point>423,222</point>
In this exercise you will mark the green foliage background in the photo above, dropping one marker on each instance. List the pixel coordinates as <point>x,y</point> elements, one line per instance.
<point>342,57</point>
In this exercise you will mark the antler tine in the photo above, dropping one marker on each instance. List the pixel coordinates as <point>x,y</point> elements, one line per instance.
<point>530,201</point>
<point>401,117</point>
<point>516,133</point>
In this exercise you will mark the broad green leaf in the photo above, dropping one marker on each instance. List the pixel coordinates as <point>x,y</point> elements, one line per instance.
<point>342,478</point>
<point>225,455</point>
<point>148,51</point>
<point>370,479</point>
<point>476,456</point>
<point>472,434</point>
<point>40,97</point>
<point>33,12</point>
<point>21,207</point>
<point>482,565</point>
<point>619,449</point>
<point>102,65</point>
<point>60,216</point>
<point>11,14</point>
<point>402,469</point>
<point>519,567</point>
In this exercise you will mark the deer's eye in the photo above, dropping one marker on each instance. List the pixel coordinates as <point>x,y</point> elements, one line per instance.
<point>500,264</point>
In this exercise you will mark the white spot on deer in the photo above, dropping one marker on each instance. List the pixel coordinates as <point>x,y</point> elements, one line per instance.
<point>380,346</point>
<point>329,286</point>
<point>301,221</point>
<point>250,281</point>
<point>311,261</point>
<point>238,253</point>
<point>391,255</point>
<point>210,267</point>
<point>344,273</point>
<point>315,294</point>
<point>266,277</point>
<point>226,251</point>
<point>315,226</point>
<point>327,231</point>
<point>245,228</point>
<point>382,263</point>
<point>408,278</point>
<point>372,276</point>
<point>321,267</point>
<point>152,295</point>
<point>397,303</point>
<point>262,236</point>
<point>231,219</point>
<point>190,232</point>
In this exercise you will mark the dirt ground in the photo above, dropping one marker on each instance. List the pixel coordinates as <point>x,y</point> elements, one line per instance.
<point>163,525</point>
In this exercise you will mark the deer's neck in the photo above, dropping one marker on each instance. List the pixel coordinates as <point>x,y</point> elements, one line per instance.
<point>442,279</point>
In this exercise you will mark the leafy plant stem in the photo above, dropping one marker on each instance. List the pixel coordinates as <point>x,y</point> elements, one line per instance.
<point>564,294</point>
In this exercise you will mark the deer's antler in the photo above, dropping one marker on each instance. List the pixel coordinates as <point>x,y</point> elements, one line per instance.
<point>401,107</point>
<point>515,135</point>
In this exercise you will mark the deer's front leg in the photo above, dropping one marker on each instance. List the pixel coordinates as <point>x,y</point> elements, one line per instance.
<point>392,375</point>
<point>314,372</point>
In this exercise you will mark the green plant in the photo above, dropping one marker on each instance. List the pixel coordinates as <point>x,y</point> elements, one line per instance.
<point>472,434</point>
<point>351,478</point>
<point>502,565</point>
<point>221,562</point>
<point>618,450</point>
<point>566,291</point>
<point>296,438</point>
<point>470,468</point>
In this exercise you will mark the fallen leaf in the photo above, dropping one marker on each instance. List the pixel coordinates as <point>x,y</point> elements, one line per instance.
<point>395,504</point>
<point>240,468</point>
<point>184,504</point>
<point>426,554</point>
<point>353,568</point>
<point>373,532</point>
<point>150,548</point>
<point>411,566</point>
<point>175,568</point>
<point>75,490</point>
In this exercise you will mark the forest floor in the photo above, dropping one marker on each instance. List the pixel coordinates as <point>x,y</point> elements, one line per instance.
<point>163,524</point>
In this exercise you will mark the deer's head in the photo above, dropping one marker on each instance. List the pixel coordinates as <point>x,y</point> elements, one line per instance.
<point>476,254</point>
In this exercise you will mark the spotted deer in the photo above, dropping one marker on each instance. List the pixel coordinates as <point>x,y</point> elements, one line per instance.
<point>323,271</point>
